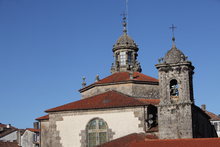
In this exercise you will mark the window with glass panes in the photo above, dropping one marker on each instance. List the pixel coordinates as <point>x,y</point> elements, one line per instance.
<point>96,132</point>
<point>122,58</point>
<point>129,57</point>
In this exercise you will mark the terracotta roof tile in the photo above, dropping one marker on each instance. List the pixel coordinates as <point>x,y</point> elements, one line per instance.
<point>8,144</point>
<point>2,125</point>
<point>110,99</point>
<point>213,116</point>
<point>124,141</point>
<point>199,142</point>
<point>6,130</point>
<point>45,117</point>
<point>124,76</point>
<point>151,140</point>
<point>151,136</point>
<point>33,130</point>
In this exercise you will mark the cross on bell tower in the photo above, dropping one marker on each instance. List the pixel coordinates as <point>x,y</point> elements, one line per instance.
<point>173,27</point>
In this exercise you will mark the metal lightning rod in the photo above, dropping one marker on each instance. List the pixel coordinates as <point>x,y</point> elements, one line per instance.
<point>126,11</point>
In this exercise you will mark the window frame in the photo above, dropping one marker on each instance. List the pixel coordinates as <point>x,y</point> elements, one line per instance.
<point>122,58</point>
<point>97,130</point>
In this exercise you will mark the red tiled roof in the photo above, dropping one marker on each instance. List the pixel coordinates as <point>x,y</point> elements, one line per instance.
<point>45,117</point>
<point>124,76</point>
<point>143,140</point>
<point>8,144</point>
<point>125,141</point>
<point>110,99</point>
<point>6,130</point>
<point>213,116</point>
<point>2,125</point>
<point>199,142</point>
<point>151,137</point>
<point>33,130</point>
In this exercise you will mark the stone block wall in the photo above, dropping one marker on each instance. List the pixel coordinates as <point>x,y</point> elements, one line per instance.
<point>175,121</point>
<point>132,89</point>
<point>44,134</point>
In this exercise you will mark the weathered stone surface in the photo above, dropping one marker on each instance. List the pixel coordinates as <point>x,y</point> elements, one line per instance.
<point>125,55</point>
<point>45,134</point>
<point>177,114</point>
<point>175,108</point>
<point>175,121</point>
<point>132,89</point>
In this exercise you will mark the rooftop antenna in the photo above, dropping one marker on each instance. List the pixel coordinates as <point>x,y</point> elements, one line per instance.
<point>173,27</point>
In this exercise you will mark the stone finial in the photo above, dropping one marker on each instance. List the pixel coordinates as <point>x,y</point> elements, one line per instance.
<point>84,82</point>
<point>203,107</point>
<point>97,78</point>
<point>131,74</point>
<point>160,60</point>
<point>124,23</point>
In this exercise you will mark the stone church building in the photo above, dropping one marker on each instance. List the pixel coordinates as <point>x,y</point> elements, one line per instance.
<point>128,102</point>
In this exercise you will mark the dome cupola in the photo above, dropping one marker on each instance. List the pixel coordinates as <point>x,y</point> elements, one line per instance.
<point>174,55</point>
<point>125,53</point>
<point>125,42</point>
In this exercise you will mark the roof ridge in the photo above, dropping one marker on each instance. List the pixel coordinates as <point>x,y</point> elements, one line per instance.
<point>121,78</point>
<point>108,99</point>
<point>214,117</point>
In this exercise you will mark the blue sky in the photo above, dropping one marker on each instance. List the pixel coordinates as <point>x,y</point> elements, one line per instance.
<point>46,46</point>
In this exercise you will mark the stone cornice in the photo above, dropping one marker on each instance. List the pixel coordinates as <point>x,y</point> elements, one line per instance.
<point>116,83</point>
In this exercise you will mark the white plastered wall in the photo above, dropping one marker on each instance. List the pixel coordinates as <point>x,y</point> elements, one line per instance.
<point>121,122</point>
<point>10,137</point>
<point>218,127</point>
<point>27,139</point>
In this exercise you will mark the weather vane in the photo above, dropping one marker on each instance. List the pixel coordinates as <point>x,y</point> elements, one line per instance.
<point>124,22</point>
<point>124,15</point>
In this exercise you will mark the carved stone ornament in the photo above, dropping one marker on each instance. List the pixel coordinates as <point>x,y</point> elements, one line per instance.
<point>166,69</point>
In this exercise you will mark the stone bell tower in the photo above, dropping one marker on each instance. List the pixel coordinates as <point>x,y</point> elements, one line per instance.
<point>176,95</point>
<point>125,53</point>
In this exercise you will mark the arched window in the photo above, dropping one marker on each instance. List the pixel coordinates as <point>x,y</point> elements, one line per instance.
<point>96,132</point>
<point>174,89</point>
